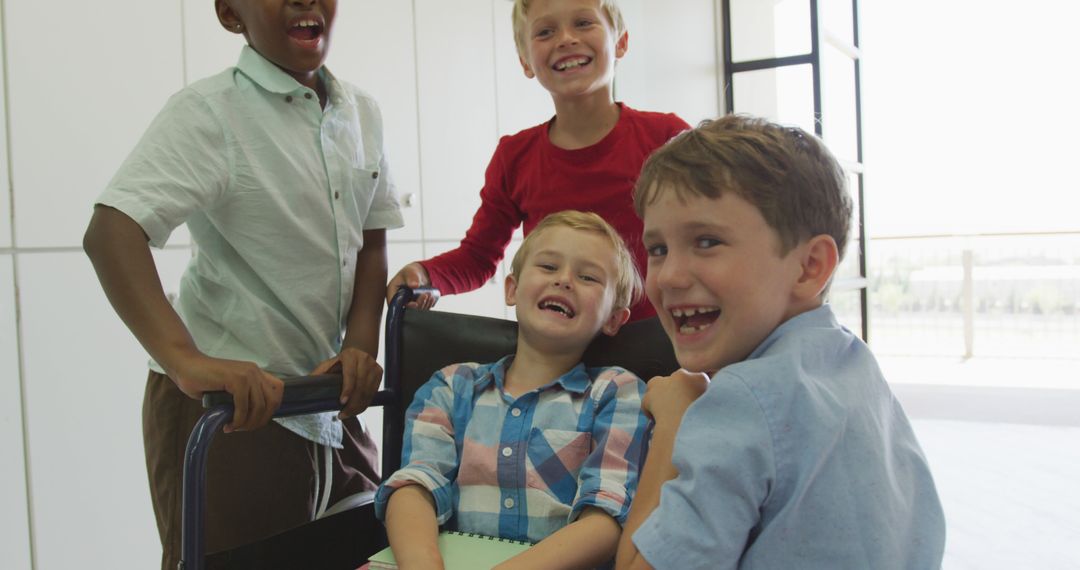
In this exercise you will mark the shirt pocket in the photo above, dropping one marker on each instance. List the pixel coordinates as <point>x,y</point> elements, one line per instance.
<point>557,456</point>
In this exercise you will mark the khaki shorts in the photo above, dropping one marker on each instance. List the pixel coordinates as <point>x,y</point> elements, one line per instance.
<point>259,483</point>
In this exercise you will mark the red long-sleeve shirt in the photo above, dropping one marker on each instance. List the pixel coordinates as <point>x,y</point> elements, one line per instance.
<point>529,178</point>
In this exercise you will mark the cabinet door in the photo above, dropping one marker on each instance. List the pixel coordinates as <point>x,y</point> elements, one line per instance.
<point>456,87</point>
<point>14,527</point>
<point>522,102</point>
<point>373,48</point>
<point>84,376</point>
<point>84,80</point>
<point>658,74</point>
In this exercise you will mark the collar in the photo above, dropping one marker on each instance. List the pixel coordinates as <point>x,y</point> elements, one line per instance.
<point>270,77</point>
<point>576,380</point>
<point>821,317</point>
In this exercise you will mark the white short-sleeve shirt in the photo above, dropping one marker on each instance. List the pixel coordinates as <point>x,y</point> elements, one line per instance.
<point>276,192</point>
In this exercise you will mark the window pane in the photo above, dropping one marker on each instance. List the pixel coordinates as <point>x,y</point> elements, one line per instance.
<point>847,305</point>
<point>763,30</point>
<point>784,95</point>
<point>836,18</point>
<point>838,115</point>
<point>849,266</point>
<point>853,190</point>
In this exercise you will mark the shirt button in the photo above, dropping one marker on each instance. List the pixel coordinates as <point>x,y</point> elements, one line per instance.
<point>515,412</point>
<point>344,262</point>
<point>508,503</point>
<point>307,95</point>
<point>288,98</point>
<point>337,195</point>
<point>507,452</point>
<point>375,174</point>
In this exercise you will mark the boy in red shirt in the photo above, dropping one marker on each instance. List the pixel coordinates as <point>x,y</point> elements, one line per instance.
<point>587,157</point>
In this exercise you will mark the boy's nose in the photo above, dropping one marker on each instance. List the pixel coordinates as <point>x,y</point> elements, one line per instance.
<point>562,283</point>
<point>567,37</point>
<point>672,273</point>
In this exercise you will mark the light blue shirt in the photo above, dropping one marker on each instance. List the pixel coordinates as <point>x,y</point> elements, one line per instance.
<point>276,192</point>
<point>797,457</point>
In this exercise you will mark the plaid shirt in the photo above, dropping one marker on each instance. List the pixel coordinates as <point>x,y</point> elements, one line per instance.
<point>522,468</point>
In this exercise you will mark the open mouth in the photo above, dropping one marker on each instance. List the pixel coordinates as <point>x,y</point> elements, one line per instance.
<point>692,320</point>
<point>556,306</point>
<point>306,30</point>
<point>569,63</point>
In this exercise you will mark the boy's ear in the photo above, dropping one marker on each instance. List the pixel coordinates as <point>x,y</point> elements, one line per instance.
<point>526,67</point>
<point>510,290</point>
<point>615,321</point>
<point>622,44</point>
<point>820,257</point>
<point>228,17</point>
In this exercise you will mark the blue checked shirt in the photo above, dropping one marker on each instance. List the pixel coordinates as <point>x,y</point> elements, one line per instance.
<point>522,468</point>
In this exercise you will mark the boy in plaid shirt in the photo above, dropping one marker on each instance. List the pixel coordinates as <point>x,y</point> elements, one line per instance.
<point>535,446</point>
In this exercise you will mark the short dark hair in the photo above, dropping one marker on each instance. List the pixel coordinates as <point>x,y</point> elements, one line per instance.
<point>786,173</point>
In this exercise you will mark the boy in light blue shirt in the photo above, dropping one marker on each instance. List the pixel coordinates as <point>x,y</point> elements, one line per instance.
<point>795,454</point>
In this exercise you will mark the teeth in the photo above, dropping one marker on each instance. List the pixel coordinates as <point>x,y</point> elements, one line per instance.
<point>307,24</point>
<point>557,305</point>
<point>687,329</point>
<point>693,311</point>
<point>572,63</point>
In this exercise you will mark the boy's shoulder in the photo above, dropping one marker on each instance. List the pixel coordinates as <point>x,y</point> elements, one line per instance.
<point>613,380</point>
<point>665,125</point>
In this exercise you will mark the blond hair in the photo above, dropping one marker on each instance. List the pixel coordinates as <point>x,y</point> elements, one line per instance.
<point>628,288</point>
<point>521,9</point>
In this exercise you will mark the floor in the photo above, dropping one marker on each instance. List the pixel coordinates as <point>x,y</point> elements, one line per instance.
<point>1011,493</point>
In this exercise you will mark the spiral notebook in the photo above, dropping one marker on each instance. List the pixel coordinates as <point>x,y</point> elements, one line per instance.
<point>462,551</point>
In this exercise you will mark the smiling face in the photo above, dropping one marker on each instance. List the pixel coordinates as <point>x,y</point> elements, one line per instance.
<point>716,276</point>
<point>565,292</point>
<point>570,47</point>
<point>293,34</point>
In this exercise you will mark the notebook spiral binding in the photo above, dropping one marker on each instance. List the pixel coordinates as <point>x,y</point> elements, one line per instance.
<point>491,538</point>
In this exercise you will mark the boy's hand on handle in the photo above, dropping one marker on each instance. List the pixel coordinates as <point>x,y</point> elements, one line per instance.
<point>256,393</point>
<point>412,276</point>
<point>667,397</point>
<point>360,378</point>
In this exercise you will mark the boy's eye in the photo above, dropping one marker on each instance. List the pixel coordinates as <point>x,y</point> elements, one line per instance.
<point>707,242</point>
<point>656,250</point>
<point>543,33</point>
<point>590,278</point>
<point>546,266</point>
<point>584,23</point>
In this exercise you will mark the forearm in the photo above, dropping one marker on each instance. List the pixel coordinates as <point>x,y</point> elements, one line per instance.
<point>118,249</point>
<point>657,470</point>
<point>412,527</point>
<point>587,542</point>
<point>365,310</point>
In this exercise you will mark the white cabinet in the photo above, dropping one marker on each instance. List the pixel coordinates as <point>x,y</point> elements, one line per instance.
<point>456,86</point>
<point>208,47</point>
<point>14,526</point>
<point>84,80</point>
<point>5,201</point>
<point>373,48</point>
<point>84,375</point>
<point>522,102</point>
<point>672,64</point>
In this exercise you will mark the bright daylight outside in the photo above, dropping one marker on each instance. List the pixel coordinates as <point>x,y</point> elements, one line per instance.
<point>971,132</point>
<point>970,140</point>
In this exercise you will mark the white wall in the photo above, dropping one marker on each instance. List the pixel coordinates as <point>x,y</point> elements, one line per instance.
<point>79,93</point>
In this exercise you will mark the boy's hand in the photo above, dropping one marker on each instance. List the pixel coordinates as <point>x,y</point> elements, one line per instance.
<point>412,276</point>
<point>667,397</point>
<point>256,393</point>
<point>360,378</point>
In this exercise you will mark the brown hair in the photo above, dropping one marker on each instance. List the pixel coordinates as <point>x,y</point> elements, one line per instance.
<point>627,281</point>
<point>786,173</point>
<point>521,10</point>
